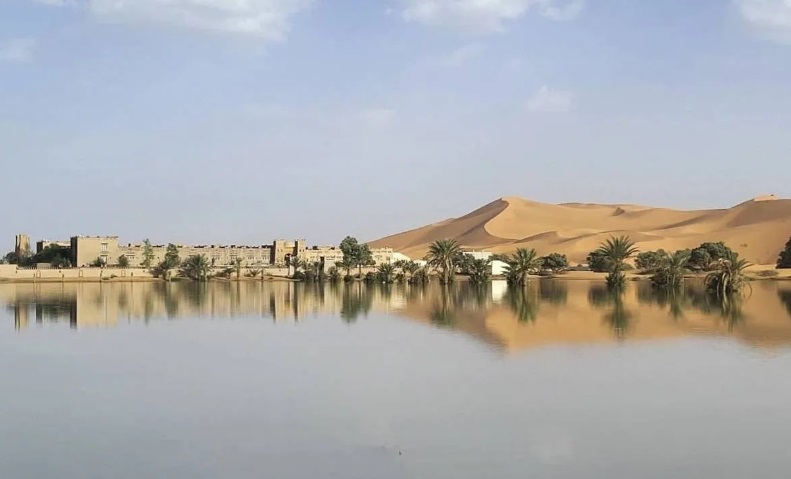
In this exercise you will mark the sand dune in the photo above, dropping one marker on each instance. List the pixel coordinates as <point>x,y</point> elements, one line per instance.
<point>757,228</point>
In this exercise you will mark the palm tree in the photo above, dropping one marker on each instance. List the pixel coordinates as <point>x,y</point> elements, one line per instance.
<point>480,270</point>
<point>386,273</point>
<point>728,276</point>
<point>441,255</point>
<point>237,266</point>
<point>296,263</point>
<point>333,274</point>
<point>670,273</point>
<point>409,268</point>
<point>195,267</point>
<point>521,264</point>
<point>617,251</point>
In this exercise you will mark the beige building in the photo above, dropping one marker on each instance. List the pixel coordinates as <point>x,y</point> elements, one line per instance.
<point>326,255</point>
<point>218,255</point>
<point>85,250</point>
<point>282,250</point>
<point>44,244</point>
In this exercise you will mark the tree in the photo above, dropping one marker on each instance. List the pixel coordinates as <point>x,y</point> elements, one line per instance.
<point>237,266</point>
<point>386,273</point>
<point>333,275</point>
<point>408,269</point>
<point>123,261</point>
<point>97,263</point>
<point>784,261</point>
<point>651,261</point>
<point>617,251</point>
<point>463,261</point>
<point>441,255</point>
<point>555,262</point>
<point>171,261</point>
<point>148,254</point>
<point>670,273</point>
<point>347,264</point>
<point>297,264</point>
<point>60,262</point>
<point>728,276</point>
<point>480,271</point>
<point>172,258</point>
<point>598,262</point>
<point>523,262</point>
<point>195,267</point>
<point>356,254</point>
<point>704,256</point>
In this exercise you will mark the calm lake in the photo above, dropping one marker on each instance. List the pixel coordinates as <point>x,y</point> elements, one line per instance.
<point>280,380</point>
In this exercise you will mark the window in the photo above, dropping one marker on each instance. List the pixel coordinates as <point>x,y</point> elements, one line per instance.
<point>104,247</point>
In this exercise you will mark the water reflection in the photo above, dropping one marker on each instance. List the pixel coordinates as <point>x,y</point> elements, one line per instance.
<point>617,316</point>
<point>545,312</point>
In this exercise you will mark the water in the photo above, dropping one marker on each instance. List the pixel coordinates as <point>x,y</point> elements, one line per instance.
<point>280,380</point>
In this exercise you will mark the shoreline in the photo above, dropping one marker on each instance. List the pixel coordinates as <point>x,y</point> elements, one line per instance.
<point>567,276</point>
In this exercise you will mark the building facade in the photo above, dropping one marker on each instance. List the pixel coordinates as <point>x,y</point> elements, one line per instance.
<point>106,250</point>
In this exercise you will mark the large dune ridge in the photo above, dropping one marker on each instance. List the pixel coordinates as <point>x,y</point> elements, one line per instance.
<point>757,229</point>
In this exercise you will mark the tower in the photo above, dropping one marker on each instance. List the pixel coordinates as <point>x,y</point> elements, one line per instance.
<point>22,246</point>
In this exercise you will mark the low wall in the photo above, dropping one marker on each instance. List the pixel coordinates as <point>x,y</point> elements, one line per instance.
<point>13,273</point>
<point>10,272</point>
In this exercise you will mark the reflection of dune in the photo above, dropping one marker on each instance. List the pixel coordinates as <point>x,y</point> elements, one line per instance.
<point>757,229</point>
<point>548,312</point>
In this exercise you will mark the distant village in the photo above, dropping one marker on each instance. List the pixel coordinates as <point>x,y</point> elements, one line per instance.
<point>87,251</point>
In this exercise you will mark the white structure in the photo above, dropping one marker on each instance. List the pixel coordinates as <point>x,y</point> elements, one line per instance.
<point>478,254</point>
<point>499,268</point>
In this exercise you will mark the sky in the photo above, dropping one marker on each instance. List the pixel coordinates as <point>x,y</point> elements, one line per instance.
<point>241,121</point>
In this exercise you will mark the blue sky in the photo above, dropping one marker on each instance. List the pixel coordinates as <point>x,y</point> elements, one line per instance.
<point>240,121</point>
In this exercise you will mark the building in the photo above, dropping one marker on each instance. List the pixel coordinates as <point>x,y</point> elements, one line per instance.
<point>86,250</point>
<point>44,244</point>
<point>283,250</point>
<point>22,246</point>
<point>327,256</point>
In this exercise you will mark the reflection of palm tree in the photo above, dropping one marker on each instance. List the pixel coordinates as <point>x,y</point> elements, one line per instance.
<point>553,292</point>
<point>728,307</point>
<point>671,298</point>
<point>523,302</point>
<point>785,298</point>
<point>356,300</point>
<point>617,316</point>
<point>443,314</point>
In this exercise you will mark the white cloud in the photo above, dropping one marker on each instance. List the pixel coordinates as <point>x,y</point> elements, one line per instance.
<point>18,50</point>
<point>266,19</point>
<point>461,56</point>
<point>546,100</point>
<point>771,16</point>
<point>484,16</point>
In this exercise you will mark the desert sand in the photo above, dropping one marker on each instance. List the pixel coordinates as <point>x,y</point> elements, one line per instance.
<point>757,229</point>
